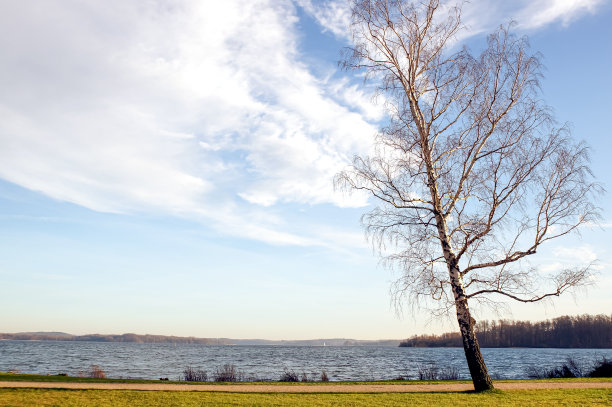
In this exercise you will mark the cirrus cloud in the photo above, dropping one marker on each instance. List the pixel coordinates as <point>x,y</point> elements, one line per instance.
<point>199,109</point>
<point>175,107</point>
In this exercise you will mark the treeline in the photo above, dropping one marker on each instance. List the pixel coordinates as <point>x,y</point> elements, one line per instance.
<point>59,336</point>
<point>581,331</point>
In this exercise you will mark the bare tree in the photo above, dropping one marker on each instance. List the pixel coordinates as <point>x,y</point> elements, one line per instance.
<point>470,173</point>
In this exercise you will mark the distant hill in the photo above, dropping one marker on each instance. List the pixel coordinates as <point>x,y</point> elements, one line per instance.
<point>135,338</point>
<point>319,342</point>
<point>54,334</point>
<point>129,337</point>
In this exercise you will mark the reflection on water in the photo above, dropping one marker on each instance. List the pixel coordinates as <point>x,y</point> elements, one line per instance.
<point>152,361</point>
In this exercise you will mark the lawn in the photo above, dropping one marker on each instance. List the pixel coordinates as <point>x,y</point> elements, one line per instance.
<point>46,397</point>
<point>497,398</point>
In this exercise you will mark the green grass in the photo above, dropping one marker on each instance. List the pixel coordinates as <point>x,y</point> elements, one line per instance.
<point>62,397</point>
<point>47,397</point>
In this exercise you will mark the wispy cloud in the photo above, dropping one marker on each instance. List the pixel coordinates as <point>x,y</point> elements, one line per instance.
<point>333,15</point>
<point>527,14</point>
<point>536,14</point>
<point>196,109</point>
<point>204,110</point>
<point>583,254</point>
<point>574,256</point>
<point>478,15</point>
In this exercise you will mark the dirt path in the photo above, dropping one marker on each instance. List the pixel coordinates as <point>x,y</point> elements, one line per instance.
<point>327,388</point>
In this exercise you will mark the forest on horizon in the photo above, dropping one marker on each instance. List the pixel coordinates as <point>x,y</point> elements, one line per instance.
<point>580,331</point>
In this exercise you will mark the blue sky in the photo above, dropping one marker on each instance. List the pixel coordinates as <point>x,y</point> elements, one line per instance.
<point>166,167</point>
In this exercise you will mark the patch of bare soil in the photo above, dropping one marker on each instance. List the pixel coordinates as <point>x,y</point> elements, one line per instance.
<point>328,388</point>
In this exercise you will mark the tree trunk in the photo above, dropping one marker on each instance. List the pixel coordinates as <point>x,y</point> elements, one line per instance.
<point>478,369</point>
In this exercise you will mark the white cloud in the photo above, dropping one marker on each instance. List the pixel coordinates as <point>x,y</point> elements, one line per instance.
<point>364,101</point>
<point>571,256</point>
<point>536,14</point>
<point>528,14</point>
<point>201,109</point>
<point>333,15</point>
<point>478,15</point>
<point>581,254</point>
<point>173,107</point>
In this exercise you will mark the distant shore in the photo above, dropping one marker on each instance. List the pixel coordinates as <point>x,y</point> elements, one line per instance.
<point>136,338</point>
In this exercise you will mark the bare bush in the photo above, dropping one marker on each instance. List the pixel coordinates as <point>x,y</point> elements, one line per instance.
<point>428,372</point>
<point>228,373</point>
<point>324,377</point>
<point>451,373</point>
<point>603,368</point>
<point>290,376</point>
<point>569,369</point>
<point>96,372</point>
<point>192,375</point>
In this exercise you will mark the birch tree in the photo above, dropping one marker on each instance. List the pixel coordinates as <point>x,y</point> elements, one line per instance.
<point>471,174</point>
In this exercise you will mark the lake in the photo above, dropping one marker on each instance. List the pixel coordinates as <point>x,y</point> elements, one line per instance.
<point>152,361</point>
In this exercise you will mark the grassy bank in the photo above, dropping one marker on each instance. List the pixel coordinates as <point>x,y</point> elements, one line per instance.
<point>46,397</point>
<point>62,397</point>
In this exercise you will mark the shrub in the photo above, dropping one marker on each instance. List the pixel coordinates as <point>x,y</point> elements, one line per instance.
<point>428,372</point>
<point>289,376</point>
<point>324,377</point>
<point>228,373</point>
<point>192,375</point>
<point>304,377</point>
<point>569,369</point>
<point>96,372</point>
<point>603,368</point>
<point>450,373</point>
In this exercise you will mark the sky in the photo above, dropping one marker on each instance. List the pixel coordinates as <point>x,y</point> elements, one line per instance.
<point>166,166</point>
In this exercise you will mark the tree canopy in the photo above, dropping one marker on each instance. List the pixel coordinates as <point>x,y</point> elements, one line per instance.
<point>471,174</point>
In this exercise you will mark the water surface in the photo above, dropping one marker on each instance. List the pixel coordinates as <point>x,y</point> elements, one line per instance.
<point>152,361</point>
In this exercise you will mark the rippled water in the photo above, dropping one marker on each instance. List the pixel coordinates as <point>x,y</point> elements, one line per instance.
<point>152,361</point>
